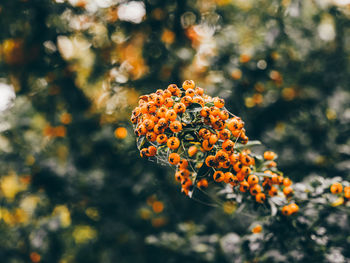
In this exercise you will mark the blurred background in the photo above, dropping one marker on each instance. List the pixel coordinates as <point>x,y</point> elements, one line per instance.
<point>73,187</point>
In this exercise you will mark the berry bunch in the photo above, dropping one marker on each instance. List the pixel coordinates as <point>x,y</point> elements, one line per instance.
<point>206,143</point>
<point>337,188</point>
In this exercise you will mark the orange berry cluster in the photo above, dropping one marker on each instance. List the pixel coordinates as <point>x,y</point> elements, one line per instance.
<point>194,132</point>
<point>337,188</point>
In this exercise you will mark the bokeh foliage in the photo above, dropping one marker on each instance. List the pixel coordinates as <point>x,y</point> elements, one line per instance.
<point>74,189</point>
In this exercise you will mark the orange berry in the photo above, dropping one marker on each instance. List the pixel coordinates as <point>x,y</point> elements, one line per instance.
<point>186,181</point>
<point>159,100</point>
<point>161,112</point>
<point>255,189</point>
<point>247,160</point>
<point>287,182</point>
<point>237,167</point>
<point>198,100</point>
<point>178,176</point>
<point>199,91</point>
<point>228,145</point>
<point>206,145</point>
<point>192,150</point>
<point>347,194</point>
<point>286,210</point>
<point>203,183</point>
<point>163,122</point>
<point>171,115</point>
<point>214,111</point>
<point>257,229</point>
<point>190,92</point>
<point>213,139</point>
<point>166,94</point>
<point>188,84</point>
<point>233,158</point>
<point>273,191</point>
<point>288,191</point>
<point>218,102</point>
<point>149,124</point>
<point>187,100</point>
<point>204,133</point>
<point>244,186</point>
<point>162,138</point>
<point>224,115</point>
<point>183,164</point>
<point>225,134</point>
<point>120,133</point>
<point>210,161</point>
<point>158,129</point>
<point>221,156</point>
<point>218,176</point>
<point>151,136</point>
<point>260,198</point>
<point>172,88</point>
<point>173,143</point>
<point>184,172</point>
<point>174,158</point>
<point>169,102</point>
<point>175,126</point>
<point>144,152</point>
<point>336,188</point>
<point>180,107</point>
<point>245,170</point>
<point>269,155</point>
<point>294,208</point>
<point>253,179</point>
<point>152,151</point>
<point>151,107</point>
<point>229,178</point>
<point>240,176</point>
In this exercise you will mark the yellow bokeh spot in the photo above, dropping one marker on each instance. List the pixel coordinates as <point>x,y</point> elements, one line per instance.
<point>249,102</point>
<point>121,133</point>
<point>10,185</point>
<point>338,202</point>
<point>229,207</point>
<point>223,2</point>
<point>92,213</point>
<point>84,233</point>
<point>21,216</point>
<point>30,160</point>
<point>63,213</point>
<point>29,203</point>
<point>145,213</point>
<point>331,114</point>
<point>280,127</point>
<point>62,152</point>
<point>8,218</point>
